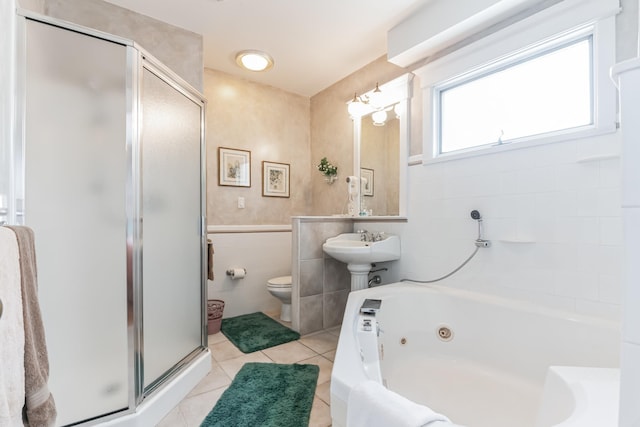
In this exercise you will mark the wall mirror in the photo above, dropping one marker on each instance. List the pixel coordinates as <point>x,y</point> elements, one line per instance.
<point>381,123</point>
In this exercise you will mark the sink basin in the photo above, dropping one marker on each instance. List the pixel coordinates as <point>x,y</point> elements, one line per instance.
<point>349,249</point>
<point>358,255</point>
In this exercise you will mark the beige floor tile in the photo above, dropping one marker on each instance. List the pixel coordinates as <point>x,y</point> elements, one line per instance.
<point>274,314</point>
<point>320,342</point>
<point>323,391</point>
<point>331,355</point>
<point>232,366</point>
<point>215,379</point>
<point>173,419</point>
<point>320,414</point>
<point>217,338</point>
<point>334,331</point>
<point>224,351</point>
<point>325,367</point>
<point>228,360</point>
<point>290,352</point>
<point>197,407</point>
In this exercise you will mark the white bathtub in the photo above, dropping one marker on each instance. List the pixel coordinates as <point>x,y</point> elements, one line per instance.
<point>508,363</point>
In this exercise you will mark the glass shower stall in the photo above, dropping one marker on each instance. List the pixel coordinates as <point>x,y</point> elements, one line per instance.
<point>108,169</point>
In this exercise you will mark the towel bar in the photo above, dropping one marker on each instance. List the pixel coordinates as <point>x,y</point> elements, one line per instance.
<point>0,309</point>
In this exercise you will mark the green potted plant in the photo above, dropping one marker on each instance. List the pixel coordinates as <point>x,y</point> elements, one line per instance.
<point>329,171</point>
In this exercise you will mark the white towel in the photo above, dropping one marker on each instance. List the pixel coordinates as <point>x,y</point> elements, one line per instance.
<point>372,405</point>
<point>12,383</point>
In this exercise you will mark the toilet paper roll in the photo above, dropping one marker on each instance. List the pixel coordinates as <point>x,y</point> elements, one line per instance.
<point>237,273</point>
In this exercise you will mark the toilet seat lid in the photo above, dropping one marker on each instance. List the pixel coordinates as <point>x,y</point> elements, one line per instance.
<point>280,282</point>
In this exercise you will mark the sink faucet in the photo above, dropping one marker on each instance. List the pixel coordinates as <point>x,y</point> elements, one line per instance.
<point>378,236</point>
<point>364,235</point>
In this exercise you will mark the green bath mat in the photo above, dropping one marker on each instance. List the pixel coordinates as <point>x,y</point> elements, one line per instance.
<point>266,395</point>
<point>256,331</point>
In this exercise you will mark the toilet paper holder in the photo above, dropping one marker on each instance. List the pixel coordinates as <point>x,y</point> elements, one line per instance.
<point>233,271</point>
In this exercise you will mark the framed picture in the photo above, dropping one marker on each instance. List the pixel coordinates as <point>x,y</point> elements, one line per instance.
<point>366,176</point>
<point>275,179</point>
<point>234,167</point>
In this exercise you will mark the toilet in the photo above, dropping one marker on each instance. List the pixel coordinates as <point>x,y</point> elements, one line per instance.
<point>280,287</point>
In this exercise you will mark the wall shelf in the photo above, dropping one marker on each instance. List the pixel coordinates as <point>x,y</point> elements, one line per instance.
<point>597,158</point>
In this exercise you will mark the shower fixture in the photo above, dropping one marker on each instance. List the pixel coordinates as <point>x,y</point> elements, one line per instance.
<point>480,242</point>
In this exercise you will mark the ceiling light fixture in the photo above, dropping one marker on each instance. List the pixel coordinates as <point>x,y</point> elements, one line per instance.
<point>254,60</point>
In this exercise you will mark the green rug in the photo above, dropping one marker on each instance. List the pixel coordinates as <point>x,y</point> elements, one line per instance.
<point>266,395</point>
<point>256,331</point>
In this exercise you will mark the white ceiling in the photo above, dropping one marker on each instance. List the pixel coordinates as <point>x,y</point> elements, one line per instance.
<point>314,43</point>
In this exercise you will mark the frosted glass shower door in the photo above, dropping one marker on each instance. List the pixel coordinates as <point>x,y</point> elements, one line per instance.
<point>172,272</point>
<point>75,180</point>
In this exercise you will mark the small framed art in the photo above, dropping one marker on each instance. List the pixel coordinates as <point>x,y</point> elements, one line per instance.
<point>275,179</point>
<point>366,175</point>
<point>234,167</point>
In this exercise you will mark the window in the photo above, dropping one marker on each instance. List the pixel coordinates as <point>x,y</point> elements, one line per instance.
<point>541,80</point>
<point>545,93</point>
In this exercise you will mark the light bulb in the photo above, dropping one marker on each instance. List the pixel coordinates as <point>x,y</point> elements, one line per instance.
<point>379,117</point>
<point>254,60</point>
<point>355,107</point>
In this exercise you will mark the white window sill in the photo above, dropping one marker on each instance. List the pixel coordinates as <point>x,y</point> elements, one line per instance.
<point>496,149</point>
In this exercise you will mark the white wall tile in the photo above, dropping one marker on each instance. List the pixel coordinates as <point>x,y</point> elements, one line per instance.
<point>610,259</point>
<point>611,231</point>
<point>602,145</point>
<point>566,203</point>
<point>525,205</point>
<point>577,284</point>
<point>576,176</point>
<point>610,288</point>
<point>588,231</point>
<point>536,180</point>
<point>567,211</point>
<point>509,182</point>
<point>569,229</point>
<point>610,174</point>
<point>610,202</point>
<point>587,203</point>
<point>487,184</point>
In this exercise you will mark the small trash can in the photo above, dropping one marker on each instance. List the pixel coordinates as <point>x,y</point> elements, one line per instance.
<point>215,307</point>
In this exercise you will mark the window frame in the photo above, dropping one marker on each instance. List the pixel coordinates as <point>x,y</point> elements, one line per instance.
<point>530,55</point>
<point>571,20</point>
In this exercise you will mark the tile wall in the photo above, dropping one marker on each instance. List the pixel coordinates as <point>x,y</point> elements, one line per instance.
<point>552,213</point>
<point>320,284</point>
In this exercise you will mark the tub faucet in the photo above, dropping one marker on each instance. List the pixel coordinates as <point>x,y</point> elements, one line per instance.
<point>374,280</point>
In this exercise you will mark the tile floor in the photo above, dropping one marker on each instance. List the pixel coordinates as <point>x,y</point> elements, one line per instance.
<point>318,348</point>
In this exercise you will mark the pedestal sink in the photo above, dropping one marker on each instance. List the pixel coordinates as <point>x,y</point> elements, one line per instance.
<point>358,254</point>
